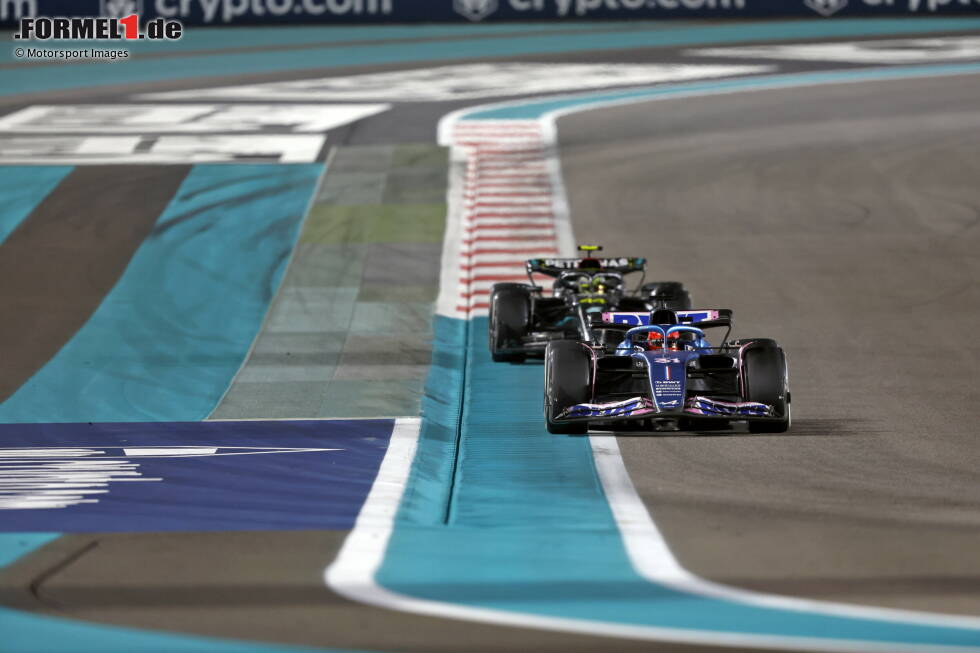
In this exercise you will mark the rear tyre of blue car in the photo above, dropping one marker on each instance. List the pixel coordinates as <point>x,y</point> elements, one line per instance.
<point>766,382</point>
<point>567,381</point>
<point>510,315</point>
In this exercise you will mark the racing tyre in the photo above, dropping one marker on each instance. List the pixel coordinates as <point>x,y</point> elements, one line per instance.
<point>766,381</point>
<point>567,381</point>
<point>510,315</point>
<point>667,294</point>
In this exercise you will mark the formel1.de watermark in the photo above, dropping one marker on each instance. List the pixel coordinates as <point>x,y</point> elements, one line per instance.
<point>40,33</point>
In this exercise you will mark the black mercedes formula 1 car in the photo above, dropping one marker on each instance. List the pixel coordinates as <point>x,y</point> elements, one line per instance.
<point>523,320</point>
<point>659,371</point>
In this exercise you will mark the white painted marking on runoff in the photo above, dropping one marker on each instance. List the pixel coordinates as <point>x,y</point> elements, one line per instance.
<point>176,133</point>
<point>185,118</point>
<point>892,51</point>
<point>464,82</point>
<point>231,148</point>
<point>169,451</point>
<point>36,478</point>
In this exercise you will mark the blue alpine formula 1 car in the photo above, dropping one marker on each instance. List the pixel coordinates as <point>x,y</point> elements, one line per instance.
<point>658,370</point>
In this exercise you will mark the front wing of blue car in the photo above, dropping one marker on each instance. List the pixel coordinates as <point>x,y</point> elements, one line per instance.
<point>644,408</point>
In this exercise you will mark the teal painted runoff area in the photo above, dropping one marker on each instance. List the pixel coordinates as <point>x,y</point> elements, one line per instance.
<point>22,189</point>
<point>16,545</point>
<point>429,487</point>
<point>528,529</point>
<point>29,78</point>
<point>167,340</point>
<point>535,109</point>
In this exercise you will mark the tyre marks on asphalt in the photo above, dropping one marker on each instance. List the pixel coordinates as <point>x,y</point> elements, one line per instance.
<point>72,249</point>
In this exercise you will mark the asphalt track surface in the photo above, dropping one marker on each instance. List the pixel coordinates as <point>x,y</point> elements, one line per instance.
<point>840,220</point>
<point>92,250</point>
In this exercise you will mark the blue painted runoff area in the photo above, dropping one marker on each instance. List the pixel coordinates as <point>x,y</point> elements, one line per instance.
<point>527,527</point>
<point>189,476</point>
<point>532,110</point>
<point>338,485</point>
<point>168,339</point>
<point>22,189</point>
<point>27,78</point>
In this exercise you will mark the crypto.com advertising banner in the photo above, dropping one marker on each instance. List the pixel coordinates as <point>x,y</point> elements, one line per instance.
<point>253,12</point>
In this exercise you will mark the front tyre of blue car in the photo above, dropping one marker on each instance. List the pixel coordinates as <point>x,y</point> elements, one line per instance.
<point>567,382</point>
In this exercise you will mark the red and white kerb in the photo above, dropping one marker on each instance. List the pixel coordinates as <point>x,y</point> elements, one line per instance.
<point>508,212</point>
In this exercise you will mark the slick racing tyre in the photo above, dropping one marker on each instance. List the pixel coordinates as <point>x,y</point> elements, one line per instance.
<point>765,374</point>
<point>567,381</point>
<point>510,315</point>
<point>666,294</point>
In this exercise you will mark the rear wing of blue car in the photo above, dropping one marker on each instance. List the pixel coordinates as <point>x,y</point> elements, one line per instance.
<point>704,318</point>
<point>553,267</point>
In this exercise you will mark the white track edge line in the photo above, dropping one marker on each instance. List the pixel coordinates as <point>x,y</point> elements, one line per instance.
<point>653,559</point>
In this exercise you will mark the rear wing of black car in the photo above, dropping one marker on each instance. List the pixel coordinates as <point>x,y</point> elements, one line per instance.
<point>553,267</point>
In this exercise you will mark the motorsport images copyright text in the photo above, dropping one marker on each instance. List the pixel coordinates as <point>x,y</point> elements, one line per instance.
<point>45,29</point>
